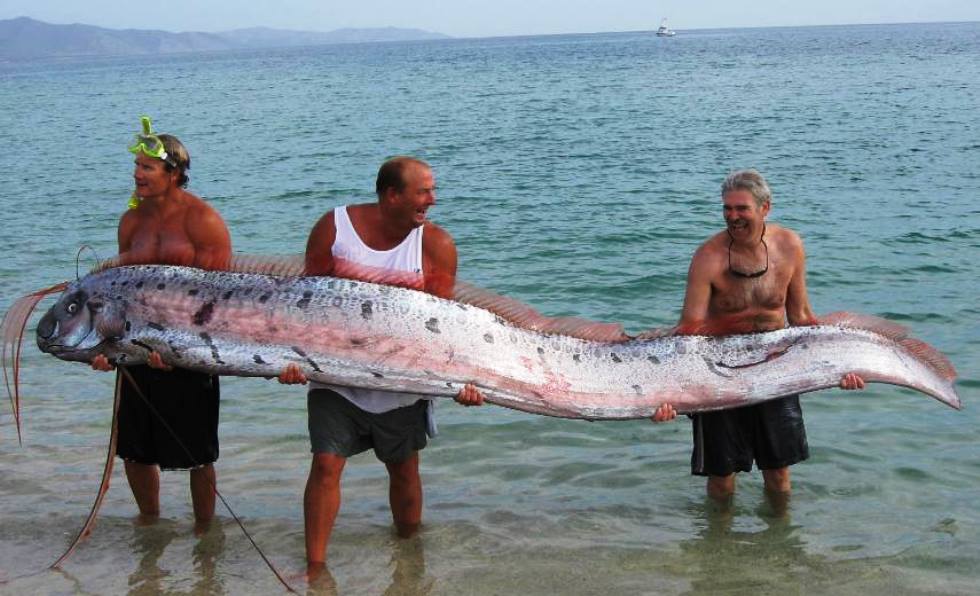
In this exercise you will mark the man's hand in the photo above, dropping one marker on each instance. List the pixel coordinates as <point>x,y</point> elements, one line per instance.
<point>100,362</point>
<point>292,375</point>
<point>154,360</point>
<point>851,381</point>
<point>664,413</point>
<point>469,395</point>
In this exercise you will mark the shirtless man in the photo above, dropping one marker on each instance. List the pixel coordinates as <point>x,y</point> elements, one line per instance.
<point>166,225</point>
<point>390,241</point>
<point>750,277</point>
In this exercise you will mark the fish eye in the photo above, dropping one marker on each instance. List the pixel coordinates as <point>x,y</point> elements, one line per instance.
<point>72,308</point>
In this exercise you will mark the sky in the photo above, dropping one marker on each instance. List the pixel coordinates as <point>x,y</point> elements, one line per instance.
<point>484,18</point>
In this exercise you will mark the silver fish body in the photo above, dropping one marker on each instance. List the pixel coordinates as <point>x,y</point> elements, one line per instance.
<point>361,334</point>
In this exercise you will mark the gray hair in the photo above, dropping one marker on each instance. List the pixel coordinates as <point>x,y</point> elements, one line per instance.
<point>750,180</point>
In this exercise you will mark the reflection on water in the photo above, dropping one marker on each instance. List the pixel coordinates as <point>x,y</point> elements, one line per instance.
<point>408,578</point>
<point>754,559</point>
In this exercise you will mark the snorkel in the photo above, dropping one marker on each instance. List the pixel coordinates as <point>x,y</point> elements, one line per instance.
<point>149,145</point>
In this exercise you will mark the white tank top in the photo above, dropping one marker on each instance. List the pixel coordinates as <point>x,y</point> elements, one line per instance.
<point>353,258</point>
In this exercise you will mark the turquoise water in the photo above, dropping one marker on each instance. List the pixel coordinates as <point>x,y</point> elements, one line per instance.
<point>577,173</point>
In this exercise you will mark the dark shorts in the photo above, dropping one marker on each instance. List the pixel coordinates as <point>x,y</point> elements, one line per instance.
<point>337,426</point>
<point>176,426</point>
<point>771,433</point>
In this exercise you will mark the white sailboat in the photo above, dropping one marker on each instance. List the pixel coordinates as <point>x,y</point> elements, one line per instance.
<point>664,30</point>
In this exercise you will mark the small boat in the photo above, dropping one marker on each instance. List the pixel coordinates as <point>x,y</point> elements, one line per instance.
<point>664,30</point>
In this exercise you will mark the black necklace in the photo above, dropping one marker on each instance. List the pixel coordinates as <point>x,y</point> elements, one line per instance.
<point>736,273</point>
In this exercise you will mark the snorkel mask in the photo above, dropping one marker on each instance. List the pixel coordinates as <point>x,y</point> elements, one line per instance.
<point>149,145</point>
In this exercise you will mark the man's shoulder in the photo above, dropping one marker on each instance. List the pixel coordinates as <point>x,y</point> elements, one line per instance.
<point>786,237</point>
<point>435,233</point>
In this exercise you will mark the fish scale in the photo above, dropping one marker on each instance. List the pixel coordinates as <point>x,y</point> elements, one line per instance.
<point>361,334</point>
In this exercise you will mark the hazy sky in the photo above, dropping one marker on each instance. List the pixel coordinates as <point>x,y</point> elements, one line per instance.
<point>479,18</point>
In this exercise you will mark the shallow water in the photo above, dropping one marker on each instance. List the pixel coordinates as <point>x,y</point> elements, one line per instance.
<point>577,173</point>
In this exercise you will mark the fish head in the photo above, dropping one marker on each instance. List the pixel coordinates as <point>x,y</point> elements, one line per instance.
<point>80,324</point>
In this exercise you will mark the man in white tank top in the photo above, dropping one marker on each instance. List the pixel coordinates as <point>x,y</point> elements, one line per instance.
<point>392,242</point>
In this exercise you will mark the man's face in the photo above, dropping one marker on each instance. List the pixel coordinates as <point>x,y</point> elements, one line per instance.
<point>417,194</point>
<point>743,217</point>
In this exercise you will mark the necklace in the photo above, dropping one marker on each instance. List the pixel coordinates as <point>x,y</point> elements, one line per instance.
<point>736,273</point>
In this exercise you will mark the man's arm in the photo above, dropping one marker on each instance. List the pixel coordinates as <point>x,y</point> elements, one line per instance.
<point>211,239</point>
<point>697,296</point>
<point>798,310</point>
<point>439,262</point>
<point>319,254</point>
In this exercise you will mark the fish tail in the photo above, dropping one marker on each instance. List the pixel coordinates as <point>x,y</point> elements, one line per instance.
<point>930,357</point>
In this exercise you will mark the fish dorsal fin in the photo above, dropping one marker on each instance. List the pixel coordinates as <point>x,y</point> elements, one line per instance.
<point>867,322</point>
<point>278,265</point>
<point>521,315</point>
<point>925,353</point>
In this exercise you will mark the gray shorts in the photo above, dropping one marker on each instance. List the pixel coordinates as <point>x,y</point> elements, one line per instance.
<point>341,428</point>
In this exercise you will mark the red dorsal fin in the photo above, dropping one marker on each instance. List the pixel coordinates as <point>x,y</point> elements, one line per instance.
<point>878,325</point>
<point>521,315</point>
<point>931,357</point>
<point>278,265</point>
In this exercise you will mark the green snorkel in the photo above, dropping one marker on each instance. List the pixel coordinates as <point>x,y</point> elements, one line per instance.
<point>149,145</point>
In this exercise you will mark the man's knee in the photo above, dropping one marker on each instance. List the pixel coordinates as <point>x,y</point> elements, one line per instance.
<point>326,469</point>
<point>777,480</point>
<point>404,472</point>
<point>721,487</point>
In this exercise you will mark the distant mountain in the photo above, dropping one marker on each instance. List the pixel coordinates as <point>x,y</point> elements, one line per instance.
<point>25,38</point>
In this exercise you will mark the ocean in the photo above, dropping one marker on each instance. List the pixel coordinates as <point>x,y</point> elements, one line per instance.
<point>577,173</point>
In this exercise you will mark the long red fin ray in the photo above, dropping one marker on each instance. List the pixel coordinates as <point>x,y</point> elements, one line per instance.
<point>11,338</point>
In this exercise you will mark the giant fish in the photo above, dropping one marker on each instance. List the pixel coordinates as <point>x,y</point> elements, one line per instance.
<point>363,334</point>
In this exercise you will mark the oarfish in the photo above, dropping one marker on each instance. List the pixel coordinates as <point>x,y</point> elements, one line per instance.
<point>369,335</point>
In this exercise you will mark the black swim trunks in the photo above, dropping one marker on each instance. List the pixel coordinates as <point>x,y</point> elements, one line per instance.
<point>339,427</point>
<point>771,433</point>
<point>182,401</point>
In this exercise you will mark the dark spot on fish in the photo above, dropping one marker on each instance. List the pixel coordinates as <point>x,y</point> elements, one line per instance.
<point>265,297</point>
<point>616,358</point>
<point>204,315</point>
<point>153,325</point>
<point>770,356</point>
<point>432,325</point>
<point>653,359</point>
<point>448,384</point>
<point>139,285</point>
<point>161,286</point>
<point>298,351</point>
<point>577,357</point>
<point>248,291</point>
<point>129,325</point>
<point>714,369</point>
<point>461,306</point>
<point>638,389</point>
<point>540,351</point>
<point>680,347</point>
<point>337,301</point>
<point>227,294</point>
<point>488,338</point>
<point>377,375</point>
<point>146,347</point>
<point>367,310</point>
<point>258,359</point>
<point>215,355</point>
<point>357,341</point>
<point>193,292</point>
